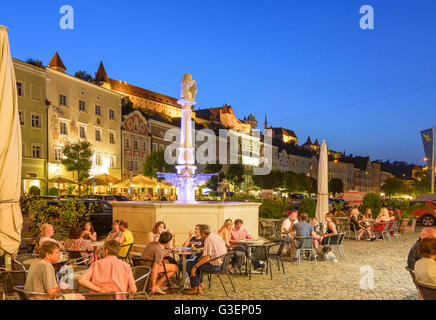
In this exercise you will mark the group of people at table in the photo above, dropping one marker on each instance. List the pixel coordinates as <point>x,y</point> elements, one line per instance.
<point>296,228</point>
<point>107,273</point>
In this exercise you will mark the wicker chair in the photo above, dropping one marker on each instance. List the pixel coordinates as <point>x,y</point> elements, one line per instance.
<point>141,275</point>
<point>28,295</point>
<point>306,245</point>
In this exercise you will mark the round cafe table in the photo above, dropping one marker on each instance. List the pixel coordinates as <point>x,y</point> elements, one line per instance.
<point>183,252</point>
<point>250,243</point>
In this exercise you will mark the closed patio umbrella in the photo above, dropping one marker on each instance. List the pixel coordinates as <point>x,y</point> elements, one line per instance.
<point>11,220</point>
<point>322,203</point>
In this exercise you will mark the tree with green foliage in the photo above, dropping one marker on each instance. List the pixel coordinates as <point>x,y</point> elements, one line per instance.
<point>273,208</point>
<point>394,186</point>
<point>421,182</point>
<point>214,180</point>
<point>252,121</point>
<point>34,191</point>
<point>273,180</point>
<point>308,205</point>
<point>81,74</point>
<point>35,62</point>
<point>53,192</point>
<point>77,157</point>
<point>336,186</point>
<point>235,174</point>
<point>373,201</point>
<point>155,162</point>
<point>298,182</point>
<point>126,105</point>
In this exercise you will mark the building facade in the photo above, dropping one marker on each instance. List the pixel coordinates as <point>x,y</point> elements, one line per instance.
<point>136,143</point>
<point>31,90</point>
<point>80,110</point>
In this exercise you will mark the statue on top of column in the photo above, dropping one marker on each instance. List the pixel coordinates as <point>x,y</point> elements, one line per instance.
<point>188,90</point>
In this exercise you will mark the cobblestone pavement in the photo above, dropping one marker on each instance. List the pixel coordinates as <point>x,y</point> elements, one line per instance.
<point>326,280</point>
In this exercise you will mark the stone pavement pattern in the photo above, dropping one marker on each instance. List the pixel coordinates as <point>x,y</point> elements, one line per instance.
<point>325,280</point>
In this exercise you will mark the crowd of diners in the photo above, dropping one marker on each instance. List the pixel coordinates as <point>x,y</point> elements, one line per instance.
<point>107,273</point>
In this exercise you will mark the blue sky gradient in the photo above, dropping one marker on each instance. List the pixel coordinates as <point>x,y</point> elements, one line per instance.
<point>287,59</point>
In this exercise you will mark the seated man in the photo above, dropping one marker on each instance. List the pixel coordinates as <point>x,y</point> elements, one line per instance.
<point>109,274</point>
<point>287,225</point>
<point>413,253</point>
<point>425,268</point>
<point>153,257</point>
<point>214,247</point>
<point>41,277</point>
<point>305,229</point>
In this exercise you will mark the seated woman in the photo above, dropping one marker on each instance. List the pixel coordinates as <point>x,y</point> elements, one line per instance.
<point>116,233</point>
<point>88,232</point>
<point>225,233</point>
<point>359,224</point>
<point>195,240</point>
<point>331,229</point>
<point>381,220</point>
<point>425,268</point>
<point>75,243</point>
<point>368,213</point>
<point>154,235</point>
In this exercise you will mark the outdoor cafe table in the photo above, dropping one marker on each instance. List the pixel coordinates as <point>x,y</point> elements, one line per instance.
<point>250,243</point>
<point>97,245</point>
<point>183,252</point>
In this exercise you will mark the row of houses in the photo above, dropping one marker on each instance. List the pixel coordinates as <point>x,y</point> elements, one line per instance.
<point>55,107</point>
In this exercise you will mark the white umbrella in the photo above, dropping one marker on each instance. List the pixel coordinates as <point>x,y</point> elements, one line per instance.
<point>11,220</point>
<point>322,203</point>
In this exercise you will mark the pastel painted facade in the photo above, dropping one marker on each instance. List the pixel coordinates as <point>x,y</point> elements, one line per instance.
<point>82,110</point>
<point>33,115</point>
<point>136,143</point>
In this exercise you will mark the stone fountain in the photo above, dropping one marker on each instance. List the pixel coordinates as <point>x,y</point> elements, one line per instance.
<point>182,215</point>
<point>186,179</point>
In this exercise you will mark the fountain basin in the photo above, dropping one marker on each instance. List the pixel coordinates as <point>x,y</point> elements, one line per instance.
<point>182,217</point>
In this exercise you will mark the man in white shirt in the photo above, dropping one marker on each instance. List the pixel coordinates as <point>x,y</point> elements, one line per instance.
<point>287,227</point>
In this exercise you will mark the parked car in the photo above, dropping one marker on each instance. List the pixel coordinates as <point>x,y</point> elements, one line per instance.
<point>426,216</point>
<point>121,198</point>
<point>100,216</point>
<point>337,200</point>
<point>104,197</point>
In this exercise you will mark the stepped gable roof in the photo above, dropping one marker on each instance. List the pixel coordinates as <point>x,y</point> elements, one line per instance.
<point>308,142</point>
<point>101,74</point>
<point>56,63</point>
<point>124,87</point>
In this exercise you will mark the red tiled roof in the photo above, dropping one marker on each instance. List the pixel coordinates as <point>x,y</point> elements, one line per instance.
<point>124,87</point>
<point>57,62</point>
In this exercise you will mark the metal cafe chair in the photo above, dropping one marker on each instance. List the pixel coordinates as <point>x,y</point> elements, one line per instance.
<point>28,295</point>
<point>11,279</point>
<point>306,245</point>
<point>227,258</point>
<point>21,258</point>
<point>141,275</point>
<point>428,291</point>
<point>127,258</point>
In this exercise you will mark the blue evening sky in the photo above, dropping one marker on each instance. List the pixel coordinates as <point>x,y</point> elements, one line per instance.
<point>287,59</point>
